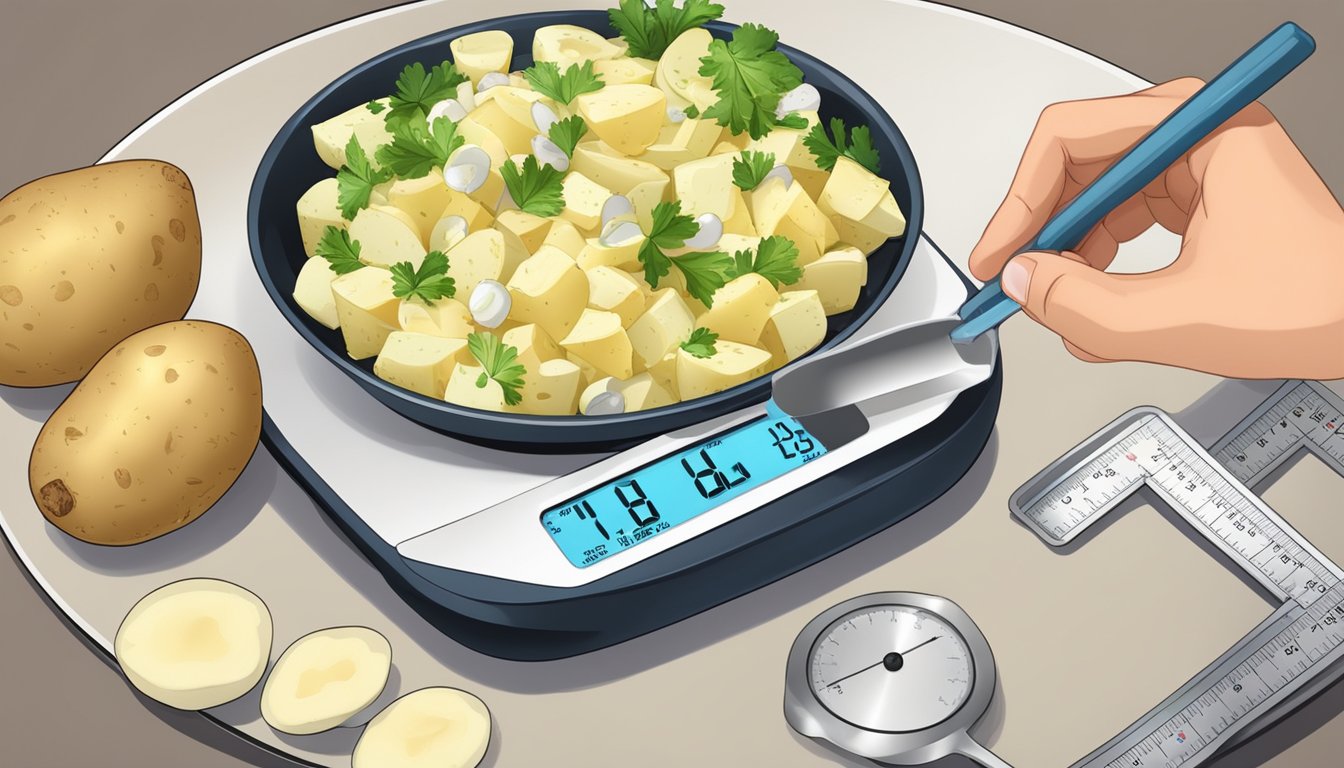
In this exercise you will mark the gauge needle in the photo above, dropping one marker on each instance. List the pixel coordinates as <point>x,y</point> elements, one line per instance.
<point>892,661</point>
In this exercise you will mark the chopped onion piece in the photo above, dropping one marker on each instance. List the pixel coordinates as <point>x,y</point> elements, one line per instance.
<point>489,303</point>
<point>605,404</point>
<point>467,169</point>
<point>616,207</point>
<point>804,98</point>
<point>711,229</point>
<point>549,153</point>
<point>618,232</point>
<point>490,80</point>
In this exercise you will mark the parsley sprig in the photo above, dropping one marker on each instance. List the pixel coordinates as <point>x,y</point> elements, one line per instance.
<point>649,31</point>
<point>567,133</point>
<point>500,362</point>
<point>750,168</point>
<point>701,343</point>
<point>546,79</point>
<point>416,148</point>
<point>750,77</point>
<point>356,179</point>
<point>705,272</point>
<point>418,91</point>
<point>429,283</point>
<point>536,189</point>
<point>776,259</point>
<point>339,250</point>
<point>858,148</point>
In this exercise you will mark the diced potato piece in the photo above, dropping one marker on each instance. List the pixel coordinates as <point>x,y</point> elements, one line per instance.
<point>625,71</point>
<point>627,117</point>
<point>706,186</point>
<point>448,318</point>
<point>679,67</point>
<point>318,210</point>
<point>852,191</point>
<point>420,362</point>
<point>567,44</point>
<point>423,199</point>
<point>565,236</point>
<point>664,372</point>
<point>797,324</point>
<point>587,373</point>
<point>740,222</point>
<point>786,144</point>
<point>386,236</point>
<point>730,365</point>
<point>461,205</point>
<point>832,235</point>
<point>312,292</point>
<point>531,229</point>
<point>624,256</point>
<point>611,290</point>
<point>367,310</point>
<point>640,392</point>
<point>688,140</point>
<point>481,256</point>
<point>482,52</point>
<point>665,324</point>
<point>857,234</point>
<point>731,243</point>
<point>740,309</point>
<point>515,136</point>
<point>645,197</point>
<point>462,389</point>
<point>446,234</point>
<point>550,389</point>
<point>836,277</point>
<point>584,199</point>
<point>475,133</point>
<point>533,344</point>
<point>777,209</point>
<point>617,173</point>
<point>887,217</point>
<point>599,338</point>
<point>517,104</point>
<point>638,276</point>
<point>330,137</point>
<point>490,191</point>
<point>725,148</point>
<point>550,290</point>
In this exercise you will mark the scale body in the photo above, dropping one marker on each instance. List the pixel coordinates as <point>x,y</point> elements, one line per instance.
<point>480,559</point>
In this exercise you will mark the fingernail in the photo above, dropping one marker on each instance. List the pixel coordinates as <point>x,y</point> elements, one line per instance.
<point>1016,277</point>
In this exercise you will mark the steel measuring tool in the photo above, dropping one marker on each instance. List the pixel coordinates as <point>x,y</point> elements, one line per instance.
<point>1293,652</point>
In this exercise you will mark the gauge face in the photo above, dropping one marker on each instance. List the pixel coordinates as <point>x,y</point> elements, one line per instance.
<point>891,668</point>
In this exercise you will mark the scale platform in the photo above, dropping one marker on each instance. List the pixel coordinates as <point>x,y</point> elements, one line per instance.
<point>505,553</point>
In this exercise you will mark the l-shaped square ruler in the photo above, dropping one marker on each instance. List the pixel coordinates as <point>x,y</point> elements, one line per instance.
<point>1300,647</point>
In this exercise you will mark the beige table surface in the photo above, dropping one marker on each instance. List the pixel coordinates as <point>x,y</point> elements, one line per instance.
<point>1076,662</point>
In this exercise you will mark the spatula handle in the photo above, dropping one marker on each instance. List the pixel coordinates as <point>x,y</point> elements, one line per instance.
<point>1246,80</point>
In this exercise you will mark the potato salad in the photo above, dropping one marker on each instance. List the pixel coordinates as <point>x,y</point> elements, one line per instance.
<point>628,223</point>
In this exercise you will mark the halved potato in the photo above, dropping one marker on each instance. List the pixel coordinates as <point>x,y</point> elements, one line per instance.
<point>626,117</point>
<point>324,678</point>
<point>482,52</point>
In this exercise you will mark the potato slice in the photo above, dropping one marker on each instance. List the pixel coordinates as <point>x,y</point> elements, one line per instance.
<point>600,338</point>
<point>551,389</point>
<point>195,644</point>
<point>482,255</point>
<point>420,362</point>
<point>386,236</point>
<point>534,345</point>
<point>612,290</point>
<point>447,318</point>
<point>324,678</point>
<point>367,310</point>
<point>423,200</point>
<point>482,52</point>
<point>616,173</point>
<point>740,309</point>
<point>567,44</point>
<point>665,324</point>
<point>531,230</point>
<point>626,117</point>
<point>318,209</point>
<point>836,277</point>
<point>331,136</point>
<point>462,389</point>
<point>312,292</point>
<point>565,236</point>
<point>730,365</point>
<point>550,290</point>
<point>797,324</point>
<point>428,728</point>
<point>625,71</point>
<point>584,199</point>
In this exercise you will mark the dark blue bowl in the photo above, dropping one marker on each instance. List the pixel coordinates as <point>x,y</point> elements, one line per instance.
<point>291,165</point>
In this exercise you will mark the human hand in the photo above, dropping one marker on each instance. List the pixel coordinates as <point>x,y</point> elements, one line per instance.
<point>1257,290</point>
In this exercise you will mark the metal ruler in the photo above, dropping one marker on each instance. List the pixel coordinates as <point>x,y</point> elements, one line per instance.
<point>1299,647</point>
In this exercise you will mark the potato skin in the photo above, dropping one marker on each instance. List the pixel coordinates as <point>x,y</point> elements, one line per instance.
<point>156,433</point>
<point>88,257</point>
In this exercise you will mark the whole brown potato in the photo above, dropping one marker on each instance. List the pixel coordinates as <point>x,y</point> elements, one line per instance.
<point>88,257</point>
<point>160,428</point>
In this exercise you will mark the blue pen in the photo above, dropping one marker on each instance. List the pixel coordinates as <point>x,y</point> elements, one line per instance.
<point>1246,80</point>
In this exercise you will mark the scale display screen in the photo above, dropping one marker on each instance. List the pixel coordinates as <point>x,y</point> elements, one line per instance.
<point>637,506</point>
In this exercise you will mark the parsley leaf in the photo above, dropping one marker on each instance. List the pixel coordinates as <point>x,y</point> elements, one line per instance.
<point>356,179</point>
<point>705,273</point>
<point>545,78</point>
<point>417,148</point>
<point>701,343</point>
<point>500,362</point>
<point>750,76</point>
<point>429,283</point>
<point>375,106</point>
<point>858,148</point>
<point>566,133</point>
<point>669,230</point>
<point>537,189</point>
<point>650,30</point>
<point>418,91</point>
<point>750,167</point>
<point>339,250</point>
<point>776,259</point>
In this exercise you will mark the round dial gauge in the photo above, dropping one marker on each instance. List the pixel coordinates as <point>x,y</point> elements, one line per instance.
<point>891,668</point>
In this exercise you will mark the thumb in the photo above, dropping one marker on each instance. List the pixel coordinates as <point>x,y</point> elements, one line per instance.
<point>1097,312</point>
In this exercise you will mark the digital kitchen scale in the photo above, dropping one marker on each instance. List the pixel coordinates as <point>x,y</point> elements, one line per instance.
<point>535,557</point>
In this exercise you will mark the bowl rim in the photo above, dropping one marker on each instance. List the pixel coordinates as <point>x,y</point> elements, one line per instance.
<point>543,432</point>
